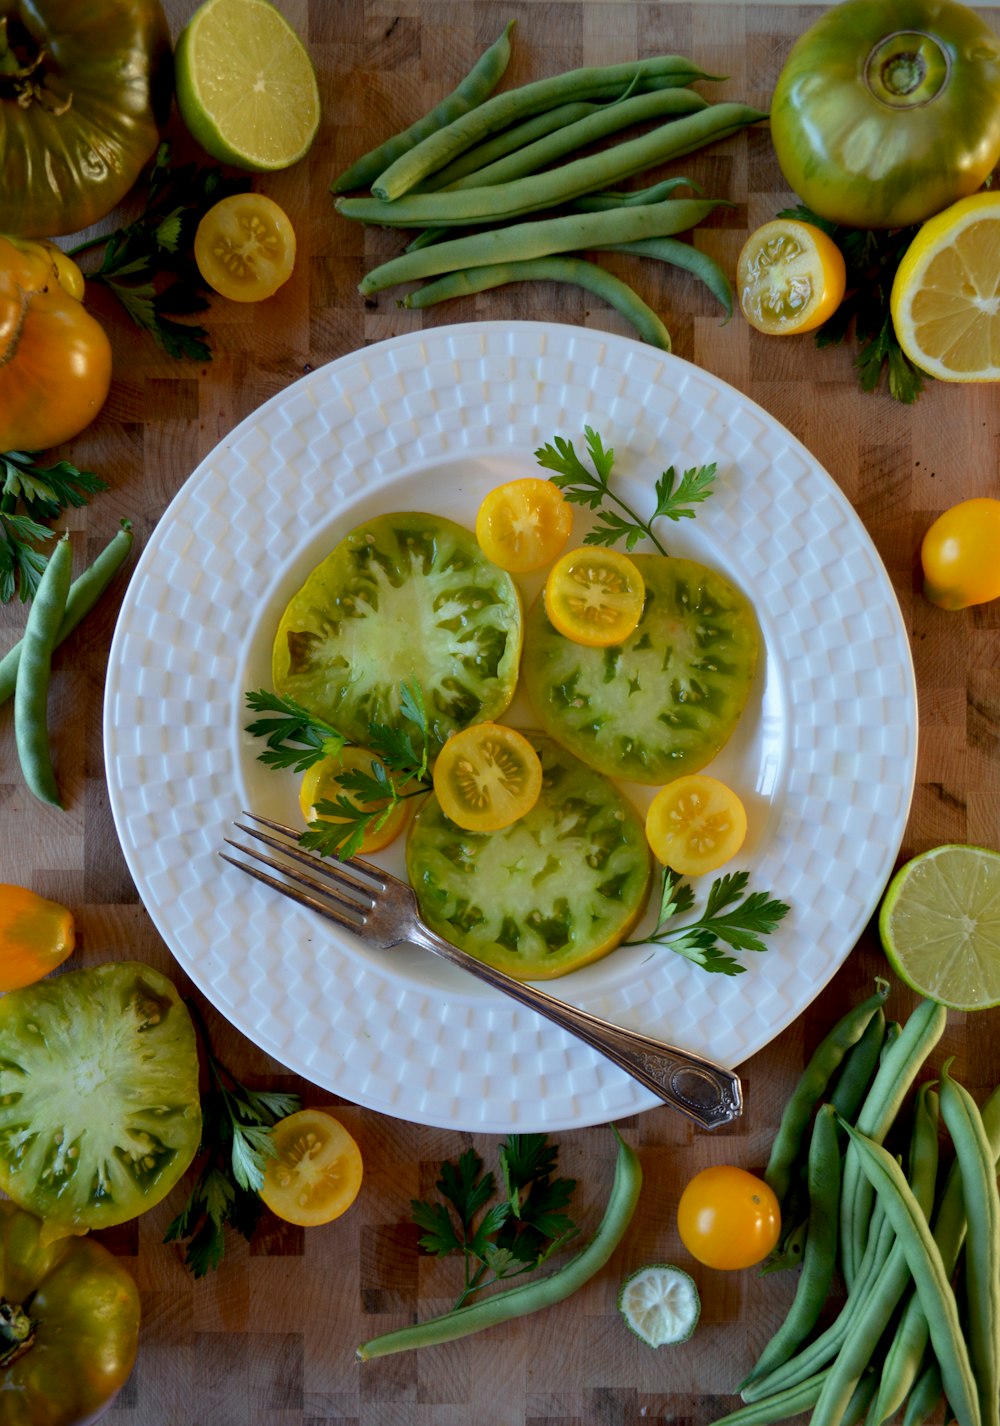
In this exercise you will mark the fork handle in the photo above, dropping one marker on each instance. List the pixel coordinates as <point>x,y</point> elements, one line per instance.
<point>704,1091</point>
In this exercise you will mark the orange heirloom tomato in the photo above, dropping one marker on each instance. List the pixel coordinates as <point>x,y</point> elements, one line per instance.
<point>36,935</point>
<point>524,524</point>
<point>594,596</point>
<point>245,247</point>
<point>960,555</point>
<point>728,1218</point>
<point>315,1173</point>
<point>695,823</point>
<point>55,359</point>
<point>487,777</point>
<point>320,784</point>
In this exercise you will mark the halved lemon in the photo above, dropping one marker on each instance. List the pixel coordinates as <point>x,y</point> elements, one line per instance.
<point>790,276</point>
<point>945,300</point>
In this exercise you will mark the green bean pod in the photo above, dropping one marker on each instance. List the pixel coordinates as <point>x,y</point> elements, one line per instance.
<point>31,692</point>
<point>928,1272</point>
<point>502,110</point>
<point>83,594</point>
<point>854,1080</point>
<point>792,1401</point>
<point>530,1296</point>
<point>925,1397</point>
<point>507,142</point>
<point>688,259</point>
<point>500,202</point>
<point>548,269</point>
<point>540,238</point>
<point>619,198</point>
<point>478,85</point>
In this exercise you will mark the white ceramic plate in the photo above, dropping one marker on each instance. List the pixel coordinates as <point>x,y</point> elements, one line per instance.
<point>825,756</point>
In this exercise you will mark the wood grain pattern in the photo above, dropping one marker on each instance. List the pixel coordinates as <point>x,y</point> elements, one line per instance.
<point>270,1337</point>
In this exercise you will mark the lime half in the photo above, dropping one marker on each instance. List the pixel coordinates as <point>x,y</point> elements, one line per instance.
<point>940,926</point>
<point>660,1303</point>
<point>246,88</point>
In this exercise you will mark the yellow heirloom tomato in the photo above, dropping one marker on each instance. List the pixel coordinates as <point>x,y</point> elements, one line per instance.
<point>960,555</point>
<point>36,935</point>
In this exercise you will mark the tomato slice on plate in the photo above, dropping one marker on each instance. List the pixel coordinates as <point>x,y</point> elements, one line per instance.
<point>695,823</point>
<point>594,596</point>
<point>320,784</point>
<point>524,524</point>
<point>244,247</point>
<point>487,776</point>
<point>315,1173</point>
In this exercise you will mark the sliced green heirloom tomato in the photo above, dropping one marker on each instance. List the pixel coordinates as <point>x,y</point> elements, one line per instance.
<point>663,702</point>
<point>887,111</point>
<point>553,891</point>
<point>100,1113</point>
<point>404,598</point>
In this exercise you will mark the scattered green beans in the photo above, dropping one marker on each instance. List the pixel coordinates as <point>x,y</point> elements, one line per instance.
<point>31,692</point>
<point>688,259</point>
<point>478,84</point>
<point>83,595</point>
<point>529,1297</point>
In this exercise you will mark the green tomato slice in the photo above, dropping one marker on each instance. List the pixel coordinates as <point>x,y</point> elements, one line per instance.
<point>664,701</point>
<point>404,598</point>
<point>100,1113</point>
<point>553,891</point>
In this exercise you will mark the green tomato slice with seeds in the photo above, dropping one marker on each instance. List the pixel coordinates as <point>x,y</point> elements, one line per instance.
<point>100,1113</point>
<point>553,891</point>
<point>664,701</point>
<point>404,598</point>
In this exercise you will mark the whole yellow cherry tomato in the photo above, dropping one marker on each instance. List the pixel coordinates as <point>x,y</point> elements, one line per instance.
<point>728,1218</point>
<point>960,555</point>
<point>36,935</point>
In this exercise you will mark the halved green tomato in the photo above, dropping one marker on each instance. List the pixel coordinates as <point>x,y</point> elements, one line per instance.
<point>665,700</point>
<point>404,598</point>
<point>100,1113</point>
<point>558,888</point>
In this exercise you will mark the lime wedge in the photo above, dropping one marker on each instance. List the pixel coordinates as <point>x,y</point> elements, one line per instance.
<point>246,88</point>
<point>660,1303</point>
<point>940,926</point>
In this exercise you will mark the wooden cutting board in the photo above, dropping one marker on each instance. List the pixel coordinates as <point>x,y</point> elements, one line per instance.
<point>270,1337</point>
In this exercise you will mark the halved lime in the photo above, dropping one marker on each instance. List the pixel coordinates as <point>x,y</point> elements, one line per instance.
<point>940,926</point>
<point>660,1303</point>
<point>246,88</point>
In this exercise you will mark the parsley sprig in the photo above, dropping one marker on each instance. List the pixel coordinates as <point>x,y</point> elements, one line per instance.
<point>592,488</point>
<point>29,495</point>
<point>515,1234</point>
<point>753,915</point>
<point>236,1143</point>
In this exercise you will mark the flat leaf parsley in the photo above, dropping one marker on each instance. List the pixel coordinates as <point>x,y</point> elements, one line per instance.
<point>753,915</point>
<point>29,494</point>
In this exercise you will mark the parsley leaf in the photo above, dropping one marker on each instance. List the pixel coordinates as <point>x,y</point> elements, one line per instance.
<point>753,915</point>
<point>29,495</point>
<point>582,486</point>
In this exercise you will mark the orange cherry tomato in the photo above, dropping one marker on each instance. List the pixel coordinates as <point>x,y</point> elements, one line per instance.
<point>36,935</point>
<point>728,1218</point>
<point>594,596</point>
<point>315,1173</point>
<point>320,784</point>
<point>245,247</point>
<point>960,555</point>
<point>523,525</point>
<point>486,777</point>
<point>695,823</point>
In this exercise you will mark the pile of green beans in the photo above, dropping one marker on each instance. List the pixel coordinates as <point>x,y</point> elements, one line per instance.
<point>916,1249</point>
<point>489,164</point>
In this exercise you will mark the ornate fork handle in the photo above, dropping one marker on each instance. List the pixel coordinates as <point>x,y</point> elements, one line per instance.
<point>706,1092</point>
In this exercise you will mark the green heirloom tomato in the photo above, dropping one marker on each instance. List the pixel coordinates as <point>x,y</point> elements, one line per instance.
<point>69,1325</point>
<point>85,86</point>
<point>887,111</point>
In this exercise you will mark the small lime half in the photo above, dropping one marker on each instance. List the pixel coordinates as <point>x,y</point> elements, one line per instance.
<point>660,1303</point>
<point>940,925</point>
<point>246,87</point>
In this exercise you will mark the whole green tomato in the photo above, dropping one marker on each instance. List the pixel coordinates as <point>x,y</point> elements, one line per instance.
<point>887,111</point>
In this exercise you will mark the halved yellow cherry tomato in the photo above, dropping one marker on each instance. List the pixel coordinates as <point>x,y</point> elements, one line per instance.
<point>594,596</point>
<point>36,935</point>
<point>790,277</point>
<point>486,777</point>
<point>960,555</point>
<point>319,784</point>
<point>728,1218</point>
<point>245,247</point>
<point>695,823</point>
<point>523,525</point>
<point>316,1172</point>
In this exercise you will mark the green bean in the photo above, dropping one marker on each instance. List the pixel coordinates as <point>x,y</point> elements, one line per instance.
<point>925,1396</point>
<point>529,1297</point>
<point>928,1272</point>
<point>494,203</point>
<point>616,198</point>
<point>83,595</point>
<point>791,1402</point>
<point>478,85</point>
<point>688,258</point>
<point>31,692</point>
<point>540,238</point>
<point>516,137</point>
<point>977,1165</point>
<point>856,1073</point>
<point>548,269</point>
<point>503,110</point>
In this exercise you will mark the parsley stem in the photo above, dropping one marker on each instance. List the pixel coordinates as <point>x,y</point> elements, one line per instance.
<point>643,525</point>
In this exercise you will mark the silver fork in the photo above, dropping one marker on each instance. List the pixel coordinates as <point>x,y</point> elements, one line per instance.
<point>382,910</point>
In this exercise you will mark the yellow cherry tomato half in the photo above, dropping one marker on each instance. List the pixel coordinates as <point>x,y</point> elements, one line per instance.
<point>319,784</point>
<point>790,277</point>
<point>594,596</point>
<point>523,525</point>
<point>245,247</point>
<point>728,1218</point>
<point>36,935</point>
<point>695,823</point>
<point>315,1173</point>
<point>960,555</point>
<point>486,777</point>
